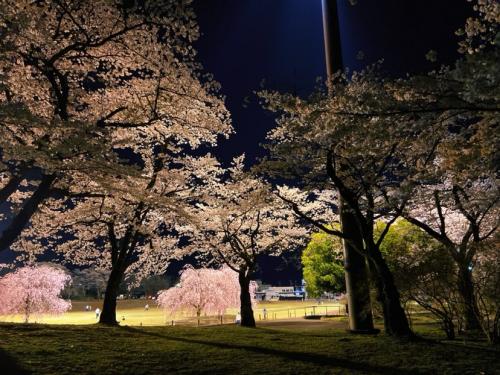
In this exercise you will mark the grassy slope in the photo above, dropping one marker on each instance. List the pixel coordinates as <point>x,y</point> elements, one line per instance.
<point>228,350</point>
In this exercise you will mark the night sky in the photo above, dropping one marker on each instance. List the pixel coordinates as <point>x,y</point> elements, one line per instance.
<point>280,42</point>
<point>246,42</point>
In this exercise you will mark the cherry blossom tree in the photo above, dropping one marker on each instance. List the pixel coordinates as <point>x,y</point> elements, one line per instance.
<point>203,290</point>
<point>123,105</point>
<point>462,217</point>
<point>377,142</point>
<point>82,80</point>
<point>130,233</point>
<point>458,204</point>
<point>335,144</point>
<point>238,220</point>
<point>34,291</point>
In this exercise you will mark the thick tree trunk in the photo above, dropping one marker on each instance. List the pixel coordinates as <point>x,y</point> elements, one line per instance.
<point>466,290</point>
<point>16,226</point>
<point>247,318</point>
<point>108,314</point>
<point>356,276</point>
<point>395,320</point>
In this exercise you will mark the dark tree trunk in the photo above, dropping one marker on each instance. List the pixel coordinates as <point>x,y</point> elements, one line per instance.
<point>449,328</point>
<point>16,226</point>
<point>466,291</point>
<point>121,253</point>
<point>395,320</point>
<point>108,314</point>
<point>247,318</point>
<point>356,276</point>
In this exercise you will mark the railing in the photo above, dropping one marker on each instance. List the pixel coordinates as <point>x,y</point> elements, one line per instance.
<point>264,314</point>
<point>300,312</point>
<point>201,321</point>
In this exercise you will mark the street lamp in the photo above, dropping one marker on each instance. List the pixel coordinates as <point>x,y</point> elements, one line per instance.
<point>356,272</point>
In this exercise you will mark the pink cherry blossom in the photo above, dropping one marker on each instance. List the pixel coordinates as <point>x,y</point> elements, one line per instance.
<point>203,291</point>
<point>34,291</point>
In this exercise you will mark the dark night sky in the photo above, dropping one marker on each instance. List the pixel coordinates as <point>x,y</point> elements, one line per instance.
<point>245,42</point>
<point>281,41</point>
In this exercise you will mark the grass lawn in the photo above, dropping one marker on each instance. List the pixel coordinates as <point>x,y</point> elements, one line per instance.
<point>132,312</point>
<point>90,349</point>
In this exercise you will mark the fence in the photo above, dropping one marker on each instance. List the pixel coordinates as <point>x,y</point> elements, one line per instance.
<point>202,321</point>
<point>301,312</point>
<point>265,314</point>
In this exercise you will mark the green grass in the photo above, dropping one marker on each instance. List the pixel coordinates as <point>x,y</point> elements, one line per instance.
<point>132,312</point>
<point>73,349</point>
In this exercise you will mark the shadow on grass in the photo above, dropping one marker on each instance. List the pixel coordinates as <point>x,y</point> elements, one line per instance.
<point>481,348</point>
<point>9,366</point>
<point>317,359</point>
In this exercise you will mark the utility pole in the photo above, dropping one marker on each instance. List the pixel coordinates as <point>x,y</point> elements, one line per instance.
<point>356,272</point>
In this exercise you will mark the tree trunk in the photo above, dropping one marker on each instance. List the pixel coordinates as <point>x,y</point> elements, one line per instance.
<point>108,314</point>
<point>395,320</point>
<point>247,318</point>
<point>449,328</point>
<point>16,226</point>
<point>356,276</point>
<point>466,291</point>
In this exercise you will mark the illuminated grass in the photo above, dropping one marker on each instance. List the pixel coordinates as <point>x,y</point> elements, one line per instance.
<point>132,313</point>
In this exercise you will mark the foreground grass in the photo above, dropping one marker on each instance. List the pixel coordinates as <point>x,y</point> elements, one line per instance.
<point>71,349</point>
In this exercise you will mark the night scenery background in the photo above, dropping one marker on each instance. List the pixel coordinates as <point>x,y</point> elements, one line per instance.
<point>249,187</point>
<point>278,44</point>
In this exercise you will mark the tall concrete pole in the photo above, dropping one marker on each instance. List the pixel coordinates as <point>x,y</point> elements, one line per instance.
<point>356,272</point>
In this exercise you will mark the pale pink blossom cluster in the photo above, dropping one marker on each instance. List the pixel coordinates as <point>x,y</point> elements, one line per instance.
<point>203,291</point>
<point>34,291</point>
<point>240,218</point>
<point>481,30</point>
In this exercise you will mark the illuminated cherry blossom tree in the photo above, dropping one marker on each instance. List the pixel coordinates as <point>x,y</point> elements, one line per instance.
<point>81,80</point>
<point>378,142</point>
<point>109,105</point>
<point>203,291</point>
<point>458,204</point>
<point>34,291</point>
<point>461,211</point>
<point>335,144</point>
<point>239,219</point>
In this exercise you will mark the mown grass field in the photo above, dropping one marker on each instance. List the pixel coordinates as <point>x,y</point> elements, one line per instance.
<point>72,344</point>
<point>133,313</point>
<point>73,349</point>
